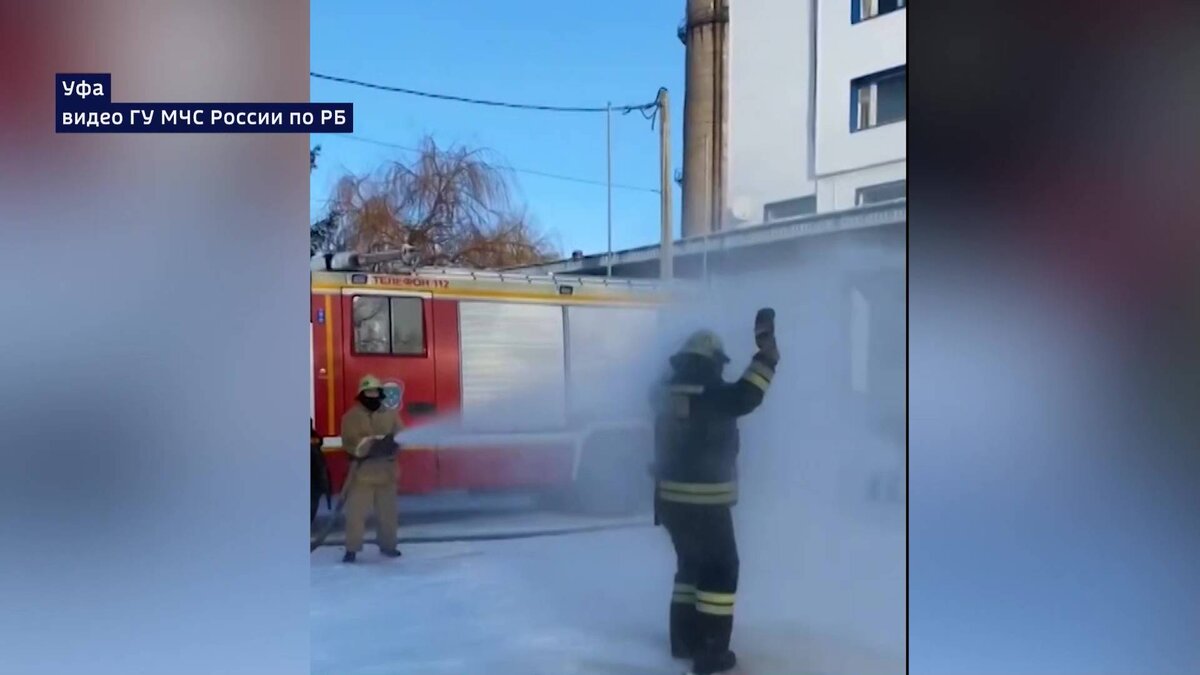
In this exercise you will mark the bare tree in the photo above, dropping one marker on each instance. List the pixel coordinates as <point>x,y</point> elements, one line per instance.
<point>323,234</point>
<point>449,207</point>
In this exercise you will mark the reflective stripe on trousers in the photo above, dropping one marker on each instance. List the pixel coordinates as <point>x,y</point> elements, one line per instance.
<point>716,604</point>
<point>684,593</point>
<point>715,494</point>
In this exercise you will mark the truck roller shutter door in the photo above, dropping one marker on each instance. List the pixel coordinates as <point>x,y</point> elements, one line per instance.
<point>513,369</point>
<point>609,351</point>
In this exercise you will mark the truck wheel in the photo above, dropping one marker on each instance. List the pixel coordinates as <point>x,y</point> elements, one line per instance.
<point>613,478</point>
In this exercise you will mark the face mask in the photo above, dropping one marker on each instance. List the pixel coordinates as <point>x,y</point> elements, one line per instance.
<point>371,404</point>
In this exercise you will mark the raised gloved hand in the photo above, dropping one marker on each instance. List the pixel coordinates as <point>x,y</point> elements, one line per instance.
<point>764,334</point>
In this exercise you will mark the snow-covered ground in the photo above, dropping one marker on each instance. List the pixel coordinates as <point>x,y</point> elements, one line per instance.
<point>583,603</point>
<point>443,516</point>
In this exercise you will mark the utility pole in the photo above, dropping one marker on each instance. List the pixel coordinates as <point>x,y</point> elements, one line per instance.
<point>665,253</point>
<point>608,154</point>
<point>705,35</point>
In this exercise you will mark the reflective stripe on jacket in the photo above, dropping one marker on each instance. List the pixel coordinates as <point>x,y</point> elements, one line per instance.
<point>696,434</point>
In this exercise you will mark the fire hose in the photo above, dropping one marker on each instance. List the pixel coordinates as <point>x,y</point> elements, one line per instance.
<point>384,446</point>
<point>318,539</point>
<point>321,535</point>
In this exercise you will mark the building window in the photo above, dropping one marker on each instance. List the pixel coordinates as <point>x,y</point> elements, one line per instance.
<point>891,96</point>
<point>385,325</point>
<point>861,10</point>
<point>884,192</point>
<point>790,208</point>
<point>878,99</point>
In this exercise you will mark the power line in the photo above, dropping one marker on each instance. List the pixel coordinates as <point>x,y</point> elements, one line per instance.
<point>532,172</point>
<point>643,107</point>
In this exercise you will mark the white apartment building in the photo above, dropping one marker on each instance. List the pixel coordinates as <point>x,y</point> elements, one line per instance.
<point>817,106</point>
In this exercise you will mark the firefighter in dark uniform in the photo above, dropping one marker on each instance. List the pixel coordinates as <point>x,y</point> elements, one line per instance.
<point>696,476</point>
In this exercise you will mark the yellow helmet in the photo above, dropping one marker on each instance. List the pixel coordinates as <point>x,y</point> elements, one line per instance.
<point>369,382</point>
<point>705,343</point>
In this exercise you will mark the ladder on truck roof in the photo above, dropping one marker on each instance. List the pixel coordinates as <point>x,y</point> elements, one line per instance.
<point>359,262</point>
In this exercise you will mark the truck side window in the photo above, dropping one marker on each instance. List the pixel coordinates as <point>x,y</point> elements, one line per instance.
<point>408,327</point>
<point>384,325</point>
<point>371,325</point>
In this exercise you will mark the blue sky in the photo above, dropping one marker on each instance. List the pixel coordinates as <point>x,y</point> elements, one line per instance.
<point>536,51</point>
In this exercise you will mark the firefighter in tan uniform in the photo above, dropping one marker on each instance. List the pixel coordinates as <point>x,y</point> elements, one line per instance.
<point>368,430</point>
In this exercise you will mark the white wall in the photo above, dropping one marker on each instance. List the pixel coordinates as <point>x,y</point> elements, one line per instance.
<point>768,104</point>
<point>769,119</point>
<point>846,51</point>
<point>836,192</point>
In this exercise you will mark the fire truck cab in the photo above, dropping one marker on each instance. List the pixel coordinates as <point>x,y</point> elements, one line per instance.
<point>491,371</point>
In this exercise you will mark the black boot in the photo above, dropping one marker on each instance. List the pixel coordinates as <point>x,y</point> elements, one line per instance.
<point>683,630</point>
<point>390,552</point>
<point>712,653</point>
<point>710,664</point>
<point>349,557</point>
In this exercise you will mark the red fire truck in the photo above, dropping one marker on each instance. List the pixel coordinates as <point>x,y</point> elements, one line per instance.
<point>500,365</point>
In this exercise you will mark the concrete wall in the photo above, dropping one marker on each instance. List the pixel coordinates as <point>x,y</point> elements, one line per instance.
<point>768,104</point>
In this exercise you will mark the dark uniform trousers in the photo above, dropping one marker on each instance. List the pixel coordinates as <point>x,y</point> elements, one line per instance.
<point>706,578</point>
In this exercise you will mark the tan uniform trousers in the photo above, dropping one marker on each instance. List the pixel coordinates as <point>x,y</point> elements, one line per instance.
<point>373,488</point>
